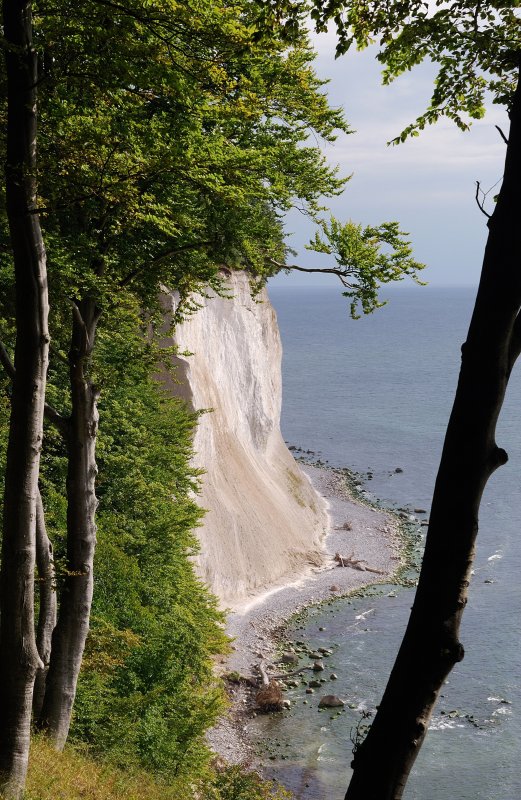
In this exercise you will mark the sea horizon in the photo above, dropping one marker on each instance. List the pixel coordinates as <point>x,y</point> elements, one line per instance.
<point>373,395</point>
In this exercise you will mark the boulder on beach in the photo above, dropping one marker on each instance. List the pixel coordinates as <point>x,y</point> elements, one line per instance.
<point>289,658</point>
<point>331,701</point>
<point>270,698</point>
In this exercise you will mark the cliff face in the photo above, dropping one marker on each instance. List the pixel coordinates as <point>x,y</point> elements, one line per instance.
<point>264,521</point>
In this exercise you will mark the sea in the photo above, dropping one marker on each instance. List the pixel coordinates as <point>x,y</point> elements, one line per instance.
<point>374,395</point>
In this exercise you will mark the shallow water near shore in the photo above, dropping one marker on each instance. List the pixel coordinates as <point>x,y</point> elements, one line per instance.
<point>374,395</point>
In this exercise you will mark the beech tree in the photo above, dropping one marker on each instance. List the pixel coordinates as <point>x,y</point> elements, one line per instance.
<point>477,47</point>
<point>365,258</point>
<point>172,139</point>
<point>191,150</point>
<point>19,658</point>
<point>170,143</point>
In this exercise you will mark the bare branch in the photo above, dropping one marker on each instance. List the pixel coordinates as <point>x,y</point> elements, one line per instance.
<point>283,675</point>
<point>341,273</point>
<point>56,353</point>
<point>480,204</point>
<point>515,343</point>
<point>502,134</point>
<point>61,422</point>
<point>5,359</point>
<point>160,258</point>
<point>76,313</point>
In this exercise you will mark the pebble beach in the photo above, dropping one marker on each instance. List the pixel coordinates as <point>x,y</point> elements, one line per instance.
<point>369,536</point>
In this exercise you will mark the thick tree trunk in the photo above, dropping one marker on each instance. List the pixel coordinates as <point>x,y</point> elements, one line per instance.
<point>18,653</point>
<point>71,631</point>
<point>48,605</point>
<point>431,645</point>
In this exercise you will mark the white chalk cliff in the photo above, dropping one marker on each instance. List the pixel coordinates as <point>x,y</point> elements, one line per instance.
<point>265,521</point>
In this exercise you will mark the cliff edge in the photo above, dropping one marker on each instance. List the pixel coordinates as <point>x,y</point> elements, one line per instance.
<point>264,520</point>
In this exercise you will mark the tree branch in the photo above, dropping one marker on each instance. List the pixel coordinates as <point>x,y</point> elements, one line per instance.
<point>514,350</point>
<point>160,258</point>
<point>5,359</point>
<point>502,134</point>
<point>76,313</point>
<point>341,273</point>
<point>61,422</point>
<point>480,205</point>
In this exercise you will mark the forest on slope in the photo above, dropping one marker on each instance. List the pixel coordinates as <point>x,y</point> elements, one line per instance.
<point>169,142</point>
<point>146,145</point>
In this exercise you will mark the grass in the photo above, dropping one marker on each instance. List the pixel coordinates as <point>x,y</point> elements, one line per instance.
<point>295,487</point>
<point>73,776</point>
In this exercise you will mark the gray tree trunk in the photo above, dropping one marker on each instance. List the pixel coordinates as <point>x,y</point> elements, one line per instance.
<point>431,644</point>
<point>19,658</point>
<point>71,631</point>
<point>48,605</point>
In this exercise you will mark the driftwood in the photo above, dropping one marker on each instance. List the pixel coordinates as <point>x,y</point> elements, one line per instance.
<point>289,674</point>
<point>269,697</point>
<point>356,563</point>
<point>267,678</point>
<point>264,675</point>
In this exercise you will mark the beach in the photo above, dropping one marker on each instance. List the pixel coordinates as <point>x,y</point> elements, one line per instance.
<point>369,536</point>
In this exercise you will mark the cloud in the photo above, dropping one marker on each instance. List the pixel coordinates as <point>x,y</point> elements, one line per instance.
<point>427,184</point>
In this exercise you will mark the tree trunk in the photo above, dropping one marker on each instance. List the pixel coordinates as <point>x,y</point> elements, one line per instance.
<point>71,631</point>
<point>48,604</point>
<point>431,645</point>
<point>18,653</point>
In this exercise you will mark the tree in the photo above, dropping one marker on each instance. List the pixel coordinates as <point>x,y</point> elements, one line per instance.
<point>19,658</point>
<point>172,140</point>
<point>196,143</point>
<point>365,258</point>
<point>146,691</point>
<point>182,167</point>
<point>477,46</point>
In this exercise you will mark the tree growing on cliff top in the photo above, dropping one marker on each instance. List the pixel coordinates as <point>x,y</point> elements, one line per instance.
<point>170,142</point>
<point>365,258</point>
<point>477,47</point>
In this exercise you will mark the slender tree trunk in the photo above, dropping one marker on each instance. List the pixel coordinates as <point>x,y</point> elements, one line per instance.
<point>431,645</point>
<point>48,604</point>
<point>71,631</point>
<point>18,653</point>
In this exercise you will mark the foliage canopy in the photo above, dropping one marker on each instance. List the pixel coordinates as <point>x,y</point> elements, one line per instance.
<point>475,44</point>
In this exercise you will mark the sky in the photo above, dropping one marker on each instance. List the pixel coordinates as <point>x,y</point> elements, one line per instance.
<point>427,184</point>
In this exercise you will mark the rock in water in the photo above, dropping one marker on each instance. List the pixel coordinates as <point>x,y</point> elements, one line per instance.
<point>331,701</point>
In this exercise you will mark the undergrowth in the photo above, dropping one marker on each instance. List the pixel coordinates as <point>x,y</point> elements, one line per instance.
<point>72,775</point>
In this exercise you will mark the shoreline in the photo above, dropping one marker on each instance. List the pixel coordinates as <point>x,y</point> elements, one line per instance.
<point>370,535</point>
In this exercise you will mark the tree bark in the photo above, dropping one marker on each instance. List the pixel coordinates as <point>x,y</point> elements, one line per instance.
<point>70,634</point>
<point>19,658</point>
<point>48,605</point>
<point>431,645</point>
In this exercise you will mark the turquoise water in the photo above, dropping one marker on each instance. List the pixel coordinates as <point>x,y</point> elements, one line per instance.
<point>375,394</point>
